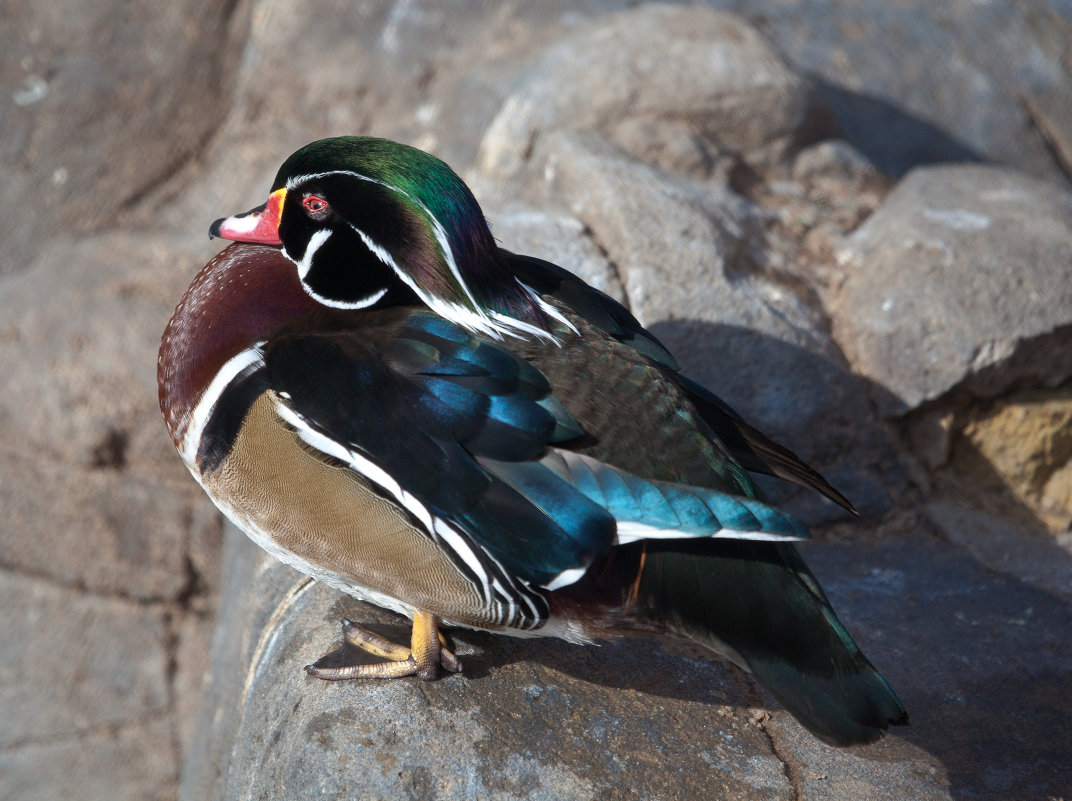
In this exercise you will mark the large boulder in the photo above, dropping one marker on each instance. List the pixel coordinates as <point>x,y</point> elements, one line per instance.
<point>961,278</point>
<point>710,70</point>
<point>527,719</point>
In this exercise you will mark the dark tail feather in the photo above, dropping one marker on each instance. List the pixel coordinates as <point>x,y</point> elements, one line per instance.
<point>755,451</point>
<point>758,604</point>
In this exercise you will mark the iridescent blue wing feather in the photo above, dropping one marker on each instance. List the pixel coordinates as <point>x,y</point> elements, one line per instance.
<point>425,429</point>
<point>650,509</point>
<point>750,447</point>
<point>474,434</point>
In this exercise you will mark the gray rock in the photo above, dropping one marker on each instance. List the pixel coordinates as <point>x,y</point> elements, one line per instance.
<point>86,128</point>
<point>91,312</point>
<point>917,83</point>
<point>672,144</point>
<point>559,239</point>
<point>129,763</point>
<point>109,551</point>
<point>191,640</point>
<point>926,613</point>
<point>960,278</point>
<point>676,242</point>
<point>648,63</point>
<point>1004,547</point>
<point>105,531</point>
<point>97,498</point>
<point>891,770</point>
<point>834,170</point>
<point>981,662</point>
<point>528,719</point>
<point>76,664</point>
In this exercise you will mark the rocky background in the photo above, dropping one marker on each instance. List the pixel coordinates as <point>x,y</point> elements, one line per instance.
<point>852,219</point>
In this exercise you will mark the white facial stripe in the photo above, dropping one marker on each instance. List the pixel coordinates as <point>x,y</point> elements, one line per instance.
<point>316,241</point>
<point>361,303</point>
<point>378,251</point>
<point>440,232</point>
<point>495,325</point>
<point>465,317</point>
<point>199,417</point>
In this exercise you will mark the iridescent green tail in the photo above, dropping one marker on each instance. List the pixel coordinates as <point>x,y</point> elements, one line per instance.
<point>758,604</point>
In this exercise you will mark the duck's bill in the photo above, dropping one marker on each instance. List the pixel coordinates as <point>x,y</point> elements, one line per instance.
<point>259,225</point>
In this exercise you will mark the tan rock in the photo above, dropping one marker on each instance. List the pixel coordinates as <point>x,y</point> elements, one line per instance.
<point>1025,444</point>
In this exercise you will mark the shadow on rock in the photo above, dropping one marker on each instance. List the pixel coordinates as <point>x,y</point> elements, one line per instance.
<point>982,661</point>
<point>971,626</point>
<point>894,140</point>
<point>804,401</point>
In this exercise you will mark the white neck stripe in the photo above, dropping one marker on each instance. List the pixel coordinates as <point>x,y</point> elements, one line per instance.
<point>360,303</point>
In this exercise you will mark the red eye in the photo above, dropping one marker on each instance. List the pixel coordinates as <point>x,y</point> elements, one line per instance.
<point>314,204</point>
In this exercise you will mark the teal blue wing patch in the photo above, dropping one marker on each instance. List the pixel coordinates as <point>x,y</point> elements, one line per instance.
<point>646,508</point>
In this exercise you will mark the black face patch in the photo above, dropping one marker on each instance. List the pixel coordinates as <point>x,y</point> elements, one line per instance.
<point>338,228</point>
<point>344,270</point>
<point>345,231</point>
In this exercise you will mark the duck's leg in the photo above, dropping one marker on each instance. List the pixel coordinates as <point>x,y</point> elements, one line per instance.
<point>426,653</point>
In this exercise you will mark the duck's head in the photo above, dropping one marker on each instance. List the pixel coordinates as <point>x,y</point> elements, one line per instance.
<point>371,222</point>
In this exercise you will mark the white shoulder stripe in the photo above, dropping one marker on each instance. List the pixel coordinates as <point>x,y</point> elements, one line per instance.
<point>458,544</point>
<point>359,463</point>
<point>249,357</point>
<point>497,587</point>
<point>629,531</point>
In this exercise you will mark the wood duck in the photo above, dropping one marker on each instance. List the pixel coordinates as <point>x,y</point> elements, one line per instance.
<point>384,399</point>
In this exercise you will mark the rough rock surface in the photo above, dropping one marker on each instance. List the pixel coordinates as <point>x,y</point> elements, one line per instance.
<point>728,177</point>
<point>642,64</point>
<point>527,719</point>
<point>961,277</point>
<point>98,112</point>
<point>917,83</point>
